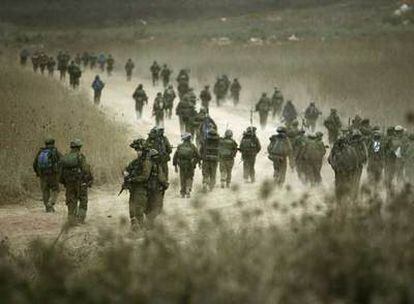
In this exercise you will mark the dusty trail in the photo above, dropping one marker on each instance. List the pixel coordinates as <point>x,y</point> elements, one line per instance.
<point>107,210</point>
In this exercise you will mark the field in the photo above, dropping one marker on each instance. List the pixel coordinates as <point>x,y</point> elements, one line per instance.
<point>253,243</point>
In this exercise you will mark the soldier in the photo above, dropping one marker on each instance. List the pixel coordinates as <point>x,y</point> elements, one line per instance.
<point>63,61</point>
<point>205,97</point>
<point>74,74</point>
<point>289,112</point>
<point>43,60</point>
<point>35,61</point>
<point>311,115</point>
<point>158,109</point>
<point>77,177</point>
<point>46,167</point>
<point>24,54</point>
<point>140,98</point>
<point>110,64</point>
<point>394,161</point>
<point>311,156</point>
<point>344,161</point>
<point>85,59</point>
<point>201,123</point>
<point>185,110</point>
<point>186,158</point>
<point>155,73</point>
<point>97,86</point>
<point>235,89</point>
<point>357,142</point>
<point>158,141</point>
<point>263,107</point>
<point>356,122</point>
<point>183,83</point>
<point>78,59</point>
<point>409,159</point>
<point>298,143</point>
<point>277,102</point>
<point>51,66</point>
<point>129,67</point>
<point>157,185</point>
<point>102,61</point>
<point>249,148</point>
<point>280,150</point>
<point>92,61</point>
<point>294,133</point>
<point>165,75</point>
<point>376,158</point>
<point>136,176</point>
<point>220,90</point>
<point>333,124</point>
<point>227,153</point>
<point>169,97</point>
<point>209,156</point>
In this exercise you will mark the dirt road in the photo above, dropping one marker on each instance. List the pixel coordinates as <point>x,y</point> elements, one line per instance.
<point>106,210</point>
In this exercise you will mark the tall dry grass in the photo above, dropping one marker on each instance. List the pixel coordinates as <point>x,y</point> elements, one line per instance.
<point>34,107</point>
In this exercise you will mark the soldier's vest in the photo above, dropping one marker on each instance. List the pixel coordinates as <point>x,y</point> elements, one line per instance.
<point>185,152</point>
<point>71,167</point>
<point>312,152</point>
<point>226,148</point>
<point>211,147</point>
<point>279,148</point>
<point>344,159</point>
<point>248,145</point>
<point>395,148</point>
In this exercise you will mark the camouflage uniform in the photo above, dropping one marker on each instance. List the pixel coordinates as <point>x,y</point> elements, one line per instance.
<point>158,141</point>
<point>205,97</point>
<point>263,107</point>
<point>43,60</point>
<point>357,142</point>
<point>183,83</point>
<point>186,157</point>
<point>249,148</point>
<point>289,113</point>
<point>376,158</point>
<point>394,162</point>
<point>209,157</point>
<point>35,61</point>
<point>137,174</point>
<point>220,90</point>
<point>280,150</point>
<point>311,156</point>
<point>76,176</point>
<point>110,65</point>
<point>235,89</point>
<point>97,87</point>
<point>140,98</point>
<point>85,59</point>
<point>158,109</point>
<point>165,75</point>
<point>227,153</point>
<point>74,74</point>
<point>63,62</point>
<point>333,124</point>
<point>129,67</point>
<point>155,72</point>
<point>51,63</point>
<point>24,54</point>
<point>311,115</point>
<point>277,102</point>
<point>46,167</point>
<point>169,97</point>
<point>157,185</point>
<point>185,110</point>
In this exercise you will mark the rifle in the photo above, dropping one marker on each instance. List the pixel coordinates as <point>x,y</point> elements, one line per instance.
<point>251,117</point>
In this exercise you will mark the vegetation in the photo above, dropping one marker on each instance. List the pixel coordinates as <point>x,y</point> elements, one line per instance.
<point>33,108</point>
<point>360,254</point>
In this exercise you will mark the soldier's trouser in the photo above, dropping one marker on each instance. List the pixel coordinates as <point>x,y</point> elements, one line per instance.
<point>138,200</point>
<point>226,167</point>
<point>164,166</point>
<point>138,109</point>
<point>374,171</point>
<point>49,185</point>
<point>209,171</point>
<point>332,136</point>
<point>313,173</point>
<point>248,169</point>
<point>129,76</point>
<point>235,97</point>
<point>312,125</point>
<point>263,119</point>
<point>159,120</point>
<point>393,170</point>
<point>155,78</point>
<point>62,74</point>
<point>76,193</point>
<point>155,204</point>
<point>279,170</point>
<point>357,181</point>
<point>186,179</point>
<point>97,97</point>
<point>182,124</point>
<point>343,185</point>
<point>165,82</point>
<point>168,112</point>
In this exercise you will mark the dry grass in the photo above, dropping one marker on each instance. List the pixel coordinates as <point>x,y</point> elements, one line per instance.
<point>35,107</point>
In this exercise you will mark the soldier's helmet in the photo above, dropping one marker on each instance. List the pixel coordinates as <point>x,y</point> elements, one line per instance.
<point>160,130</point>
<point>228,133</point>
<point>312,103</point>
<point>140,86</point>
<point>376,134</point>
<point>49,141</point>
<point>186,136</point>
<point>398,128</point>
<point>153,132</point>
<point>138,144</point>
<point>333,110</point>
<point>159,94</point>
<point>295,123</point>
<point>170,86</point>
<point>207,86</point>
<point>281,130</point>
<point>76,143</point>
<point>264,94</point>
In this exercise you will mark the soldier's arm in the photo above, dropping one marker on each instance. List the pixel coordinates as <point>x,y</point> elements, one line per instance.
<point>145,173</point>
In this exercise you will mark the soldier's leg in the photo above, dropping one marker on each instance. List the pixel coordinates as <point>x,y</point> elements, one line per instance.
<point>246,170</point>
<point>165,169</point>
<point>44,187</point>
<point>205,171</point>
<point>137,206</point>
<point>183,182</point>
<point>229,168</point>
<point>72,201</point>
<point>223,173</point>
<point>83,203</point>
<point>213,174</point>
<point>155,204</point>
<point>252,169</point>
<point>54,187</point>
